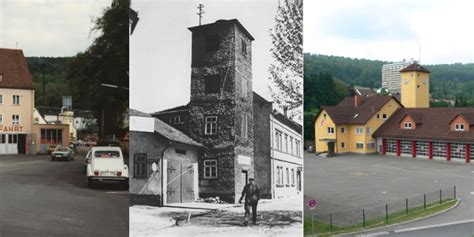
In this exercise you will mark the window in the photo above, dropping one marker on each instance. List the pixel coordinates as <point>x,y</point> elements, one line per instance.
<point>140,166</point>
<point>244,48</point>
<point>330,130</point>
<point>343,145</point>
<point>384,116</point>
<point>459,127</point>
<point>244,87</point>
<point>1,119</point>
<point>210,126</point>
<point>1,99</point>
<point>370,145</point>
<point>210,169</point>
<point>244,127</point>
<point>378,116</point>
<point>278,140</point>
<point>279,175</point>
<point>291,145</point>
<point>407,125</point>
<point>343,130</point>
<point>287,177</point>
<point>16,100</point>
<point>180,151</point>
<point>15,119</point>
<point>298,147</point>
<point>292,177</point>
<point>51,136</point>
<point>212,84</point>
<point>360,145</point>
<point>12,138</point>
<point>212,43</point>
<point>176,119</point>
<point>3,138</point>
<point>359,130</point>
<point>368,130</point>
<point>286,143</point>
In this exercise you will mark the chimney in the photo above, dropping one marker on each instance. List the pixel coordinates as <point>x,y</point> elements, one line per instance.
<point>357,100</point>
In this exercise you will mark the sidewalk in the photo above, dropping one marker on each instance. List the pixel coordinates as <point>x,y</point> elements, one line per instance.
<point>278,217</point>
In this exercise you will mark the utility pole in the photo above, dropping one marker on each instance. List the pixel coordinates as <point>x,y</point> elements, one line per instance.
<point>201,12</point>
<point>44,87</point>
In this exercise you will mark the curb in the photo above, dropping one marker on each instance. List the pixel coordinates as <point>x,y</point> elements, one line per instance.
<point>401,223</point>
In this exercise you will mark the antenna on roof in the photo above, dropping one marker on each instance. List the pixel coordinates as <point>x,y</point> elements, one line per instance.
<point>419,53</point>
<point>16,45</point>
<point>201,12</point>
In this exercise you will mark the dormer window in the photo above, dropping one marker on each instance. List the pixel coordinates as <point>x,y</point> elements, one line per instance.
<point>459,127</point>
<point>407,125</point>
<point>1,77</point>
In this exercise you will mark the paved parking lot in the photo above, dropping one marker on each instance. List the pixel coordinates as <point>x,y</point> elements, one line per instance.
<point>40,197</point>
<point>354,182</point>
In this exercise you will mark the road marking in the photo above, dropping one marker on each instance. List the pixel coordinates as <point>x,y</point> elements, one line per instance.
<point>384,192</point>
<point>472,193</point>
<point>436,181</point>
<point>118,192</point>
<point>360,174</point>
<point>434,226</point>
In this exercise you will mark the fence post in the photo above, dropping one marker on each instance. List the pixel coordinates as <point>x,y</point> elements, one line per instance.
<point>406,205</point>
<point>424,201</point>
<point>363,217</point>
<point>440,196</point>
<point>330,222</point>
<point>454,192</point>
<point>386,212</point>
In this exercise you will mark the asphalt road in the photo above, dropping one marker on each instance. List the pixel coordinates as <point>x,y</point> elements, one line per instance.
<point>353,182</point>
<point>453,230</point>
<point>40,197</point>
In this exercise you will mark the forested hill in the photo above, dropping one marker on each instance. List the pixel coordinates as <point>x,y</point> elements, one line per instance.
<point>54,69</point>
<point>447,80</point>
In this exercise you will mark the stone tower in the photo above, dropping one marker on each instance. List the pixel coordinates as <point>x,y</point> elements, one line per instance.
<point>220,109</point>
<point>415,86</point>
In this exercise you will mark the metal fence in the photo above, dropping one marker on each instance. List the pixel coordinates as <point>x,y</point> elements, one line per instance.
<point>385,213</point>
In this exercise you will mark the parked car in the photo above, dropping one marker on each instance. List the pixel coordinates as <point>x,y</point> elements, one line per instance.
<point>62,153</point>
<point>87,160</point>
<point>51,148</point>
<point>106,164</point>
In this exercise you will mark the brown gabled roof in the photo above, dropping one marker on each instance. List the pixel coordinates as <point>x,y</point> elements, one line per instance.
<point>14,70</point>
<point>415,67</point>
<point>346,113</point>
<point>435,125</point>
<point>416,116</point>
<point>468,117</point>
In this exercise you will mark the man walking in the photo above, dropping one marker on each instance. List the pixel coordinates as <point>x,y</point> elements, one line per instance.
<point>252,195</point>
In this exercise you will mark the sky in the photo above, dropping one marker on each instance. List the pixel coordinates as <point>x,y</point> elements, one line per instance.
<point>49,27</point>
<point>160,47</point>
<point>391,30</point>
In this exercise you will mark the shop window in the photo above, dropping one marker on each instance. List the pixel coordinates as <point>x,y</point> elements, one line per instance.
<point>180,151</point>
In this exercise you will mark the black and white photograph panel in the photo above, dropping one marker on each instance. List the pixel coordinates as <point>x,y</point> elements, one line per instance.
<point>215,118</point>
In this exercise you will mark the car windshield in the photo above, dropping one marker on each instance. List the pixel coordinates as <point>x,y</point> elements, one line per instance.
<point>61,149</point>
<point>107,154</point>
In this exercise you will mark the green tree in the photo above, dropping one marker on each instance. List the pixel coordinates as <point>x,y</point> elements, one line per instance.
<point>104,62</point>
<point>286,72</point>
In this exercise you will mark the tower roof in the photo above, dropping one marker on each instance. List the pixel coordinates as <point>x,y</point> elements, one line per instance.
<point>222,23</point>
<point>415,67</point>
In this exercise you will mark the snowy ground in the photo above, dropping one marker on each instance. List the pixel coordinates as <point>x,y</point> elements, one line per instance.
<point>281,217</point>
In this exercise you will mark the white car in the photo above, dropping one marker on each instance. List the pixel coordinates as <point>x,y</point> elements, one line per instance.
<point>106,164</point>
<point>87,158</point>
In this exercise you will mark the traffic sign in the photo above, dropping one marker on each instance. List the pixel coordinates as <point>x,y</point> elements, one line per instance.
<point>312,203</point>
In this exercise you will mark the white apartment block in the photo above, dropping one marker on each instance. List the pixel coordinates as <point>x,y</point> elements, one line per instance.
<point>391,75</point>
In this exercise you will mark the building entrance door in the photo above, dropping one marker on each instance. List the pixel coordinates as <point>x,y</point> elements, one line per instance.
<point>180,187</point>
<point>21,144</point>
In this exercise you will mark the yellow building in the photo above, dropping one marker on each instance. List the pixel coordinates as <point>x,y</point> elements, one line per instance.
<point>17,99</point>
<point>348,126</point>
<point>415,86</point>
